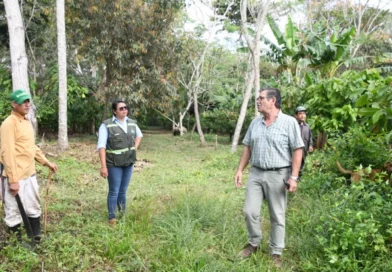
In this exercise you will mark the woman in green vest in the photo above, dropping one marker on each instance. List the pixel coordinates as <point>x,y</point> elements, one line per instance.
<point>118,139</point>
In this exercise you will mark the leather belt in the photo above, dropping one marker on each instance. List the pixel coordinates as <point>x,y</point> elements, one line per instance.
<point>274,168</point>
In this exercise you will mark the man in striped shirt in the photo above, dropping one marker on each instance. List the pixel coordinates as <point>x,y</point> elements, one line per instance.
<point>273,146</point>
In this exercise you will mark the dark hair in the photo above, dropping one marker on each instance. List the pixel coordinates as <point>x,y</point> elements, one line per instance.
<point>273,92</point>
<point>115,103</point>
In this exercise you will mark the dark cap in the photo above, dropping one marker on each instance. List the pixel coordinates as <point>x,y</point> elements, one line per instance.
<point>19,96</point>
<point>299,109</point>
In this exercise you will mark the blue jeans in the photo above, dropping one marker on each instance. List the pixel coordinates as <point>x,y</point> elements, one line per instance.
<point>118,179</point>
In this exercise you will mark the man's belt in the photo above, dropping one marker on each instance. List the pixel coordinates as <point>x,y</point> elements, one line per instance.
<point>274,168</point>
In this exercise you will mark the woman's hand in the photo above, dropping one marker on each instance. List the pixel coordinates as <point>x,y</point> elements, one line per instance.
<point>104,172</point>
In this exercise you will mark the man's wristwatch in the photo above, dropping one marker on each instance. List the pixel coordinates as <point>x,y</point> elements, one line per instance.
<point>294,178</point>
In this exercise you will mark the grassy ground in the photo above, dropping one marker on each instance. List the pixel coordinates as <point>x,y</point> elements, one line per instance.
<point>183,214</point>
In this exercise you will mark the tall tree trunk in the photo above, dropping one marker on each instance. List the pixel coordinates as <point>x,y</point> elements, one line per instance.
<point>322,138</point>
<point>62,61</point>
<point>19,61</point>
<point>108,81</point>
<point>244,106</point>
<point>256,71</point>
<point>260,9</point>
<point>180,124</point>
<point>197,118</point>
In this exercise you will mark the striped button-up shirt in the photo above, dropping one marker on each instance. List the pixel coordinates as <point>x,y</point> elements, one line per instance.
<point>272,146</point>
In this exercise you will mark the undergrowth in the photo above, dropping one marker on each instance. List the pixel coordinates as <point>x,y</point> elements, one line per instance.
<point>184,214</point>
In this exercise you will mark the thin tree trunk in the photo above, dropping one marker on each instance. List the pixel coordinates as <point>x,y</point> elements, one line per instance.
<point>62,61</point>
<point>197,118</point>
<point>256,69</point>
<point>322,139</point>
<point>244,106</point>
<point>19,61</point>
<point>182,115</point>
<point>108,109</point>
<point>180,124</point>
<point>254,48</point>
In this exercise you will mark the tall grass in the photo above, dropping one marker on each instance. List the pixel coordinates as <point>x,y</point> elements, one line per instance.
<point>183,214</point>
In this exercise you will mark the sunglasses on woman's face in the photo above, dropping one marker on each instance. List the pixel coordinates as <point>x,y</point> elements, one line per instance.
<point>123,108</point>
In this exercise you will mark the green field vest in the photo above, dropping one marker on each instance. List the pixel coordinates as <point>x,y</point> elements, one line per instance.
<point>120,146</point>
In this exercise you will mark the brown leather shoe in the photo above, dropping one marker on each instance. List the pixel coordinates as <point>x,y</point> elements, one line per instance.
<point>248,250</point>
<point>277,260</point>
<point>112,222</point>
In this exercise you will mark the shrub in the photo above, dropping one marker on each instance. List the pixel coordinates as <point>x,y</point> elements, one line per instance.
<point>357,228</point>
<point>359,146</point>
<point>224,121</point>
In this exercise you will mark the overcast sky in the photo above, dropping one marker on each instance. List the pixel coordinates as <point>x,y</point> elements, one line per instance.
<point>201,13</point>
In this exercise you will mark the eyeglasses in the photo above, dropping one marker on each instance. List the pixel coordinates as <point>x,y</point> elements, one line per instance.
<point>123,108</point>
<point>260,98</point>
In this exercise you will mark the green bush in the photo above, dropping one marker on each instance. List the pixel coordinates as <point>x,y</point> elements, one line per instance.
<point>224,121</point>
<point>83,109</point>
<point>353,227</point>
<point>5,91</point>
<point>359,146</point>
<point>357,228</point>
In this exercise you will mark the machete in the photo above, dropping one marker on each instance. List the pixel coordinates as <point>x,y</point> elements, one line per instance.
<point>26,221</point>
<point>2,191</point>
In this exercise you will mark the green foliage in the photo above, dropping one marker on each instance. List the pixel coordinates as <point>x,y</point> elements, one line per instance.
<point>223,121</point>
<point>5,91</point>
<point>83,112</point>
<point>234,14</point>
<point>376,101</point>
<point>358,147</point>
<point>357,227</point>
<point>351,230</point>
<point>132,45</point>
<point>22,258</point>
<point>372,37</point>
<point>338,103</point>
<point>191,219</point>
<point>315,48</point>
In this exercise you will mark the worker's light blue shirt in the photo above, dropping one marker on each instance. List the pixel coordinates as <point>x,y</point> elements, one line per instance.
<point>103,132</point>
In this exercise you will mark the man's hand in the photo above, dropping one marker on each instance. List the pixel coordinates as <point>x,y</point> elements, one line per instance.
<point>104,172</point>
<point>52,167</point>
<point>292,185</point>
<point>310,149</point>
<point>238,179</point>
<point>14,188</point>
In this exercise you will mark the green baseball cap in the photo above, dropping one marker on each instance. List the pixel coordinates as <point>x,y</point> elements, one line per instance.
<point>19,96</point>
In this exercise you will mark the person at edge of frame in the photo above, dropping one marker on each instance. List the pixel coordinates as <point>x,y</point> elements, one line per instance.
<point>273,146</point>
<point>118,139</point>
<point>17,154</point>
<point>306,134</point>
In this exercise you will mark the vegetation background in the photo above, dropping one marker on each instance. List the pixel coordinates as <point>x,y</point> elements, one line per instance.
<point>184,212</point>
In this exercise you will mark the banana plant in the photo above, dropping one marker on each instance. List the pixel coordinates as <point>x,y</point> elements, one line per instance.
<point>315,50</point>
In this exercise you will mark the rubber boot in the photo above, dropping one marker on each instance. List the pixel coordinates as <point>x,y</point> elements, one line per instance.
<point>36,228</point>
<point>17,231</point>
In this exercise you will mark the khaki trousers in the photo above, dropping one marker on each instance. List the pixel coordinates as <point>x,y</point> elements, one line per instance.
<point>29,195</point>
<point>267,185</point>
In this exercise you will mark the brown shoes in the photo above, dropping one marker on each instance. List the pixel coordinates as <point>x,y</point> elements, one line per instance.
<point>112,222</point>
<point>248,250</point>
<point>277,260</point>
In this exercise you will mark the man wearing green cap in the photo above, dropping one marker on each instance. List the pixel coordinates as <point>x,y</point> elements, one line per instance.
<point>306,134</point>
<point>18,152</point>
